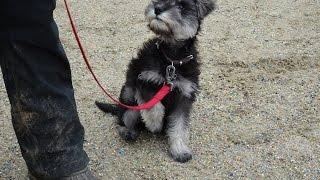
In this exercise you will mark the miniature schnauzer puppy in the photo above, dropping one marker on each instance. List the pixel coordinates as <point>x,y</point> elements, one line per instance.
<point>171,53</point>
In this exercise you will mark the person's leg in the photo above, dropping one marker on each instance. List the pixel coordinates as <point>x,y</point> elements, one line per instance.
<point>38,82</point>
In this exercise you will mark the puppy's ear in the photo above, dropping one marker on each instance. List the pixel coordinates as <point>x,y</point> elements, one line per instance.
<point>204,7</point>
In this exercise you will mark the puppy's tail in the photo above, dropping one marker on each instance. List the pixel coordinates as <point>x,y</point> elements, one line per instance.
<point>108,108</point>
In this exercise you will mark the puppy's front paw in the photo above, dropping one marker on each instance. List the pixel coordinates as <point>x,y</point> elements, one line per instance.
<point>182,156</point>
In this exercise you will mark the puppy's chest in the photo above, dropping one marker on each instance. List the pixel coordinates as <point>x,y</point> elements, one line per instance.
<point>182,84</point>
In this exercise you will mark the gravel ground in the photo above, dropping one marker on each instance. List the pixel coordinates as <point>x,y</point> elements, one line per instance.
<point>258,114</point>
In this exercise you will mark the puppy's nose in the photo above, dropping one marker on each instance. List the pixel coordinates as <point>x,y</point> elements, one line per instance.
<point>158,10</point>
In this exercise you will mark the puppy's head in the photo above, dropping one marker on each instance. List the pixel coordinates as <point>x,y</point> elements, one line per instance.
<point>177,19</point>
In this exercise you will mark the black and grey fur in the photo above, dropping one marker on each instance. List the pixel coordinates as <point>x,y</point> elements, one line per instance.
<point>176,24</point>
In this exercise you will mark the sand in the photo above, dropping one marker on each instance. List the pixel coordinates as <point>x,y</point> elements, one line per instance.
<point>258,113</point>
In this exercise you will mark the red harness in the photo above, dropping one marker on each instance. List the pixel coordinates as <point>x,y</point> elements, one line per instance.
<point>165,90</point>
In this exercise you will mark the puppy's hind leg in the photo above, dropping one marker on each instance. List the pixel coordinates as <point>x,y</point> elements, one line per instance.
<point>129,131</point>
<point>129,119</point>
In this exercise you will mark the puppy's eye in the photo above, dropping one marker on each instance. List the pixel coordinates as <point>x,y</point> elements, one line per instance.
<point>181,5</point>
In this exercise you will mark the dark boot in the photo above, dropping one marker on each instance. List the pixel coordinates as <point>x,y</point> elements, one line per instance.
<point>85,174</point>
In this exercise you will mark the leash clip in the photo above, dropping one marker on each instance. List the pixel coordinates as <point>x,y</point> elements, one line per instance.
<point>171,75</point>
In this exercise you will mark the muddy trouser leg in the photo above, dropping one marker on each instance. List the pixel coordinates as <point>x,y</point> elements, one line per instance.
<point>38,82</point>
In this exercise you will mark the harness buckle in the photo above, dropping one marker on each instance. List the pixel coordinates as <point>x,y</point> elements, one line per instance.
<point>171,75</point>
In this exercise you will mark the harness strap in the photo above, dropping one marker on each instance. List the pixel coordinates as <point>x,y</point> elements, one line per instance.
<point>163,92</point>
<point>179,62</point>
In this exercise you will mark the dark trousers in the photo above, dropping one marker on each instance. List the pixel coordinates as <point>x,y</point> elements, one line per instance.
<point>37,76</point>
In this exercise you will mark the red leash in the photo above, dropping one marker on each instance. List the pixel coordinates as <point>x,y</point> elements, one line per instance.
<point>157,98</point>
